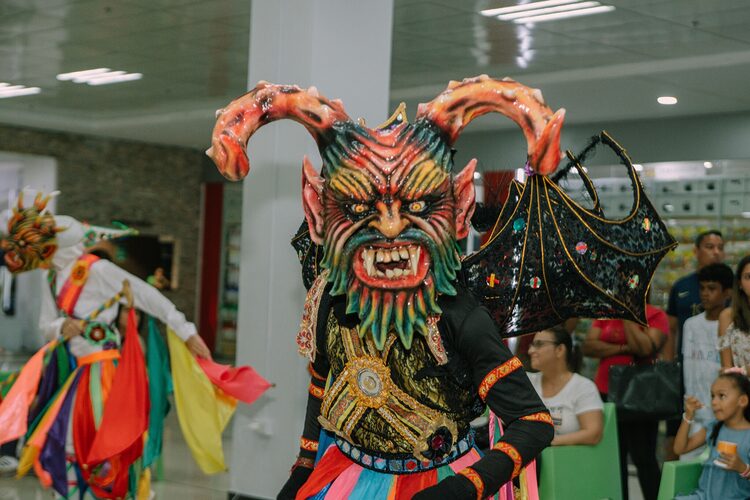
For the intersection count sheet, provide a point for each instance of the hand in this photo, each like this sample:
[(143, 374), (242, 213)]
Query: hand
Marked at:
[(71, 328), (454, 487), (196, 346), (733, 462), (692, 404)]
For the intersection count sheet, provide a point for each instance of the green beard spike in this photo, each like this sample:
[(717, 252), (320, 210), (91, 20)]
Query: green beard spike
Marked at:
[(381, 311)]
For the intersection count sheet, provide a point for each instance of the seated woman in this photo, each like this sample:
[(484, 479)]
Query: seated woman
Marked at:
[(573, 400)]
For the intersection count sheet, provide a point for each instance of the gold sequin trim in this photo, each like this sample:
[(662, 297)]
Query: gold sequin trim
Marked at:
[(497, 374), (309, 323), (512, 453), (307, 463), (435, 341), (316, 392), (542, 416), (475, 479), (308, 444)]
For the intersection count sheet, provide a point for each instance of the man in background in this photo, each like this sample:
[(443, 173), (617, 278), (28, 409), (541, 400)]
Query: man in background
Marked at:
[(684, 302)]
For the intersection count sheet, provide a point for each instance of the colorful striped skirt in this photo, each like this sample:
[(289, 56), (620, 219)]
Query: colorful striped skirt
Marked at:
[(337, 476)]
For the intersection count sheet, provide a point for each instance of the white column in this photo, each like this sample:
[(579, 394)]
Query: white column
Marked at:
[(343, 48)]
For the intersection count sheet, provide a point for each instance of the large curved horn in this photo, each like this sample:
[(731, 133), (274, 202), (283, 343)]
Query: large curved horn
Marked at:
[(263, 104), (463, 101)]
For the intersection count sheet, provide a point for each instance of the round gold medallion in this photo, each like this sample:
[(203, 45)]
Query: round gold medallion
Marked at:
[(369, 382)]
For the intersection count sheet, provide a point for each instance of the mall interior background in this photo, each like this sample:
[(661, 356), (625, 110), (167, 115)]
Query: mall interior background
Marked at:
[(133, 151)]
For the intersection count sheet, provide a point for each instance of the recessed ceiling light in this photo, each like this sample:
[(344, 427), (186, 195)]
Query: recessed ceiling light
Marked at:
[(99, 76), (477, 175), (7, 90), (708, 164), (667, 100)]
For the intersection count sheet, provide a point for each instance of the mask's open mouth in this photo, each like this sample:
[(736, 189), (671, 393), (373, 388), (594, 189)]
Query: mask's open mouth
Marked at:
[(398, 265)]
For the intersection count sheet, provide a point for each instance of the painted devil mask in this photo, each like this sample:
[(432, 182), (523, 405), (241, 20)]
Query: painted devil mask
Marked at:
[(32, 236), (385, 207)]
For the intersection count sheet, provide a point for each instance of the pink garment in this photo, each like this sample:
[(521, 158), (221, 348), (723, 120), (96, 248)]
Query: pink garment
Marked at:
[(345, 483), (242, 383)]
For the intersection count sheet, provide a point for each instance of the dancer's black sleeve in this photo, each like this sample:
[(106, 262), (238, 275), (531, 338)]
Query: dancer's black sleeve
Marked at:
[(304, 464), (502, 384)]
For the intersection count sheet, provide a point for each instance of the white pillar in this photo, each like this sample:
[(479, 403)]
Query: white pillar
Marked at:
[(343, 48)]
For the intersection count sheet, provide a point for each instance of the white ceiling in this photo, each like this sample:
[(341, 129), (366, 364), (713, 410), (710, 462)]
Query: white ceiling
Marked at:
[(193, 55)]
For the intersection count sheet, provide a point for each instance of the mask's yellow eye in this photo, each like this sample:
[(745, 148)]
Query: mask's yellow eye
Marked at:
[(359, 208), (417, 207)]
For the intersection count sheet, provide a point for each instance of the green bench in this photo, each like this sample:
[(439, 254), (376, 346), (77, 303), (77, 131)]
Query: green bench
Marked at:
[(584, 472), (679, 478)]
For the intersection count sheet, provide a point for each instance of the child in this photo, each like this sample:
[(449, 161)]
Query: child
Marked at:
[(726, 474), (700, 356)]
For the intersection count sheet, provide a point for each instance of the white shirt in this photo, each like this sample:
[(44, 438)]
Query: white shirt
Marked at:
[(104, 282), (701, 362), (578, 396)]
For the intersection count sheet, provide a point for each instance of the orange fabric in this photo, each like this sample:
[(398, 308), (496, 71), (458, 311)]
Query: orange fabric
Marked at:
[(242, 383), (119, 439), (73, 286), (14, 410), (407, 485), (84, 432), (98, 356), (108, 370), (329, 468)]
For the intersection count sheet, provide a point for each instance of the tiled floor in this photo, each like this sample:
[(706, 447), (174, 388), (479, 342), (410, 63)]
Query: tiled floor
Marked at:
[(183, 479)]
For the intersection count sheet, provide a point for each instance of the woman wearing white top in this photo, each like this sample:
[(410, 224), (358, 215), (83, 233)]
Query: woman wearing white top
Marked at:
[(573, 400)]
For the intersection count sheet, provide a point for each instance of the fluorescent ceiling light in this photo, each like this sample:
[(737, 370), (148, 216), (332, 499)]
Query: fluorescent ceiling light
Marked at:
[(708, 164), (667, 100), (99, 76), (16, 92), (524, 7), (116, 79), (548, 10), (92, 78), (81, 74), (531, 19)]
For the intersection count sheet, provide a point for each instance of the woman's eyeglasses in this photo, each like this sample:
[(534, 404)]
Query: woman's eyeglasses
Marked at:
[(538, 344)]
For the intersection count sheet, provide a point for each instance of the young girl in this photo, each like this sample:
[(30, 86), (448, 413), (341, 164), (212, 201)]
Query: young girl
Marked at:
[(726, 473), (734, 321)]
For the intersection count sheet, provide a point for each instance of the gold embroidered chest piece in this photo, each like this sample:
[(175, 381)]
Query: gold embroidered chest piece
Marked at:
[(364, 406)]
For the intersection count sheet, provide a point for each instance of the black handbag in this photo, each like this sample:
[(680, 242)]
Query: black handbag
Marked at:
[(650, 391)]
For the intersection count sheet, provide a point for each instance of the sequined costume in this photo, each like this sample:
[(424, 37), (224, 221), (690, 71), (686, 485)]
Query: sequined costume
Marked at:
[(404, 336)]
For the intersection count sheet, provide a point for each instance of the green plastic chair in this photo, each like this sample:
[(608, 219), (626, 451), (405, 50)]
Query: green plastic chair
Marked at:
[(584, 472), (679, 478)]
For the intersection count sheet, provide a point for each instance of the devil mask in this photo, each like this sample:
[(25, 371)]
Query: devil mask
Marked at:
[(32, 236), (385, 206)]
